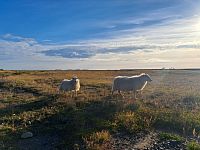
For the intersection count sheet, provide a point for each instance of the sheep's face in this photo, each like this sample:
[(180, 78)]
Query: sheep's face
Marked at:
[(147, 77), (75, 79)]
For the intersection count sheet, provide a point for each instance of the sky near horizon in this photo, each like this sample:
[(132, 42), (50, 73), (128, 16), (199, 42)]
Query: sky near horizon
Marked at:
[(94, 34)]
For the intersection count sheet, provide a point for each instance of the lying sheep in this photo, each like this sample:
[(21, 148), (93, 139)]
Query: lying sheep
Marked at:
[(70, 85), (132, 83)]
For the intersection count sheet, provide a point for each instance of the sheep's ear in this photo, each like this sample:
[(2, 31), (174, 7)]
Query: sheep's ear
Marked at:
[(74, 76)]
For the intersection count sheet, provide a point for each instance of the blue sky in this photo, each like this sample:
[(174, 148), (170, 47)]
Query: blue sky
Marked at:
[(93, 34)]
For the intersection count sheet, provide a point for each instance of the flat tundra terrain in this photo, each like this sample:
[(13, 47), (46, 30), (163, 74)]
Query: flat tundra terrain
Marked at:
[(34, 115)]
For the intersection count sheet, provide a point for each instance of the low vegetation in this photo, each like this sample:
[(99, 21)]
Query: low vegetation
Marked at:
[(29, 101), (96, 140), (170, 136), (193, 146)]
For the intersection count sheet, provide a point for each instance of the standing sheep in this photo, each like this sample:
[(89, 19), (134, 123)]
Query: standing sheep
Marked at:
[(132, 83), (70, 85)]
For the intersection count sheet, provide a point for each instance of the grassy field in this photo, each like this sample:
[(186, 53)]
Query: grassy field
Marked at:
[(29, 101)]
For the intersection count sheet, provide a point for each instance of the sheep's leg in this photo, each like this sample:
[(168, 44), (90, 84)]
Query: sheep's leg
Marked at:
[(120, 93), (58, 91), (112, 92), (75, 93), (71, 94), (140, 92), (135, 97), (65, 93)]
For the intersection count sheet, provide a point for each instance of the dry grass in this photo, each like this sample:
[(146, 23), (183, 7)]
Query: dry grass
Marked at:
[(96, 140), (29, 101)]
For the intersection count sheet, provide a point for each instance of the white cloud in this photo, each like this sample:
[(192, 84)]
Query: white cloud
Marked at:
[(172, 43)]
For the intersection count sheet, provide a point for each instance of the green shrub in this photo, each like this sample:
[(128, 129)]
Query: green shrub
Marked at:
[(170, 136), (193, 146), (128, 121)]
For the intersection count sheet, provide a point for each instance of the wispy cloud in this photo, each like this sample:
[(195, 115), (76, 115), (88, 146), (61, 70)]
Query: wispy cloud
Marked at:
[(159, 39)]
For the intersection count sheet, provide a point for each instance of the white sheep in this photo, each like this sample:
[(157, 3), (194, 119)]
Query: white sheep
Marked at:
[(70, 85), (132, 83)]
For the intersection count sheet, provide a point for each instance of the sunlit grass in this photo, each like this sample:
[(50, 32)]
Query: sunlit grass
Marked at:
[(29, 100)]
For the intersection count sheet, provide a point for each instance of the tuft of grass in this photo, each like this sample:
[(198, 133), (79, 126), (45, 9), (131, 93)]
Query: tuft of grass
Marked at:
[(170, 136), (193, 145), (96, 140), (128, 121)]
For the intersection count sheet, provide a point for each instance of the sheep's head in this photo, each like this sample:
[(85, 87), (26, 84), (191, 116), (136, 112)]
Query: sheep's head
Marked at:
[(146, 77), (75, 79)]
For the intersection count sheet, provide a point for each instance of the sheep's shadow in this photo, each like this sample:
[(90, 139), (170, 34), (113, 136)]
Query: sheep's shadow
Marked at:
[(5, 86), (42, 99), (71, 123), (31, 106)]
